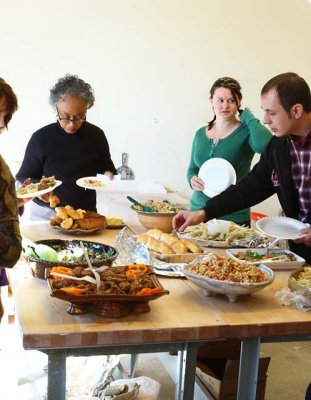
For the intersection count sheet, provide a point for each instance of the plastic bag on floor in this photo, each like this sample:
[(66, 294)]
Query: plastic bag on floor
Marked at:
[(149, 389)]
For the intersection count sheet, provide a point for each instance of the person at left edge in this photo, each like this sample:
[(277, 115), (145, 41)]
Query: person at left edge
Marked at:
[(68, 149), (10, 236)]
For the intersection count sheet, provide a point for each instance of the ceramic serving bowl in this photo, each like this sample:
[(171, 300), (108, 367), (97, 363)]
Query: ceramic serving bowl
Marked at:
[(230, 289), (70, 255), (162, 221)]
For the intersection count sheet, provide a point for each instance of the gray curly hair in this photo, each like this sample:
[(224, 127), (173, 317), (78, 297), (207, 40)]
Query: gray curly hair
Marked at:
[(72, 85)]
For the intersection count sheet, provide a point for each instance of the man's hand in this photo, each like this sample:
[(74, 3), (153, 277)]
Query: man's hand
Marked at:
[(197, 183), (187, 218), (109, 174), (306, 239)]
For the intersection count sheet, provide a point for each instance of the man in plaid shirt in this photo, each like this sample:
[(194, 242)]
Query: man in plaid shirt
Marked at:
[(284, 167)]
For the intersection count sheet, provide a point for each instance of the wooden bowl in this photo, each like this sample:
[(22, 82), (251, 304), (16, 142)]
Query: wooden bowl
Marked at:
[(162, 221)]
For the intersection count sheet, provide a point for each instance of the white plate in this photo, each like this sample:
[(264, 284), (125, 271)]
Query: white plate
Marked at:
[(217, 174), (274, 265), (281, 227), (83, 182), (39, 192)]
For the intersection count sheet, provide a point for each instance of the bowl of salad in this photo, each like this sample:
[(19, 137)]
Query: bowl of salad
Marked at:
[(160, 216), (70, 254)]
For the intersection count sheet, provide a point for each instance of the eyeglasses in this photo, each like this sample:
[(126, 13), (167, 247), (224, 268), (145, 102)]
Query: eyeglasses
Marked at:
[(75, 120), (227, 82)]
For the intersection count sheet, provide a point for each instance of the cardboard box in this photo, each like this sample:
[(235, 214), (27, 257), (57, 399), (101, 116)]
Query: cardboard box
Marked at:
[(218, 369), (220, 377)]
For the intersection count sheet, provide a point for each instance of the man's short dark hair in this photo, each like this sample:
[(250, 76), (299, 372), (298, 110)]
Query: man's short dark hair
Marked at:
[(291, 90)]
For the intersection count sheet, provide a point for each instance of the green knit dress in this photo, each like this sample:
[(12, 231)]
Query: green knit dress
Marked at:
[(238, 148)]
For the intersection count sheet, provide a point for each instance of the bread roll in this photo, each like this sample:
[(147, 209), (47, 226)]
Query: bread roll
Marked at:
[(158, 246), (75, 214), (179, 248), (155, 233), (142, 238), (55, 221), (168, 239), (193, 247), (61, 212), (67, 223), (54, 200)]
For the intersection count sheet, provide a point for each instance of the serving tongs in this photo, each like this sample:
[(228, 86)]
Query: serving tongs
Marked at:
[(144, 208)]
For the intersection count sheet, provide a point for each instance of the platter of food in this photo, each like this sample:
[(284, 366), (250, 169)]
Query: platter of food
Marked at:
[(46, 185), (281, 227), (115, 222), (168, 247), (300, 281), (277, 259), (116, 292), (77, 221), (236, 236), (69, 254), (222, 275)]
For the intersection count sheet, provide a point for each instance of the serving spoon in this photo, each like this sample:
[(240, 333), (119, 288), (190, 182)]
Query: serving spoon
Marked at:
[(144, 208)]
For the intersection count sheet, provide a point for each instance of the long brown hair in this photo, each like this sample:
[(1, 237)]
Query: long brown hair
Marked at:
[(227, 83), (7, 93)]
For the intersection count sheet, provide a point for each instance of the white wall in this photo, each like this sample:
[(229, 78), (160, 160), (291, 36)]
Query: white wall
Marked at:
[(151, 64)]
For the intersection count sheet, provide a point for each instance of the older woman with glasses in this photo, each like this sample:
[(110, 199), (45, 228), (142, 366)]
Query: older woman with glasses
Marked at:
[(10, 237), (227, 136), (68, 149)]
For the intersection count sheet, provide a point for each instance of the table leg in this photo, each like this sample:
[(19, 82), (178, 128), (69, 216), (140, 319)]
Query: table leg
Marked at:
[(133, 364), (56, 375), (248, 372), (189, 366)]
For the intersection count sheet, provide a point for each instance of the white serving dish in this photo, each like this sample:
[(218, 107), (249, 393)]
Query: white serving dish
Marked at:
[(230, 289), (275, 265)]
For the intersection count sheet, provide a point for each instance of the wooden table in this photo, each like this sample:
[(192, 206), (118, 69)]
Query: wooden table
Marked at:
[(180, 321)]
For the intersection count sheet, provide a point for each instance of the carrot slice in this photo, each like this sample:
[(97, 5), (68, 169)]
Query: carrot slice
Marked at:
[(73, 290), (149, 291)]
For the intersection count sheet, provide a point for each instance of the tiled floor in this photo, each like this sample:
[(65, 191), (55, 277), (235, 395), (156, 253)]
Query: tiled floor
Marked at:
[(23, 373)]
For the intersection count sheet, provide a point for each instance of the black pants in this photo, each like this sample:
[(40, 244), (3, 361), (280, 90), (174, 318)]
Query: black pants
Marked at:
[(308, 392)]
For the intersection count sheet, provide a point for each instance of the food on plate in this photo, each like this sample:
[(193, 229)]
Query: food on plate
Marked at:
[(93, 182), (113, 280), (67, 223), (160, 206), (69, 218), (54, 200), (165, 243), (237, 235), (45, 183), (304, 277), (226, 269), (252, 255)]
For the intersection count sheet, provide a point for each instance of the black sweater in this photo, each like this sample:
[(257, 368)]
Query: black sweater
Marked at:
[(51, 151), (272, 174)]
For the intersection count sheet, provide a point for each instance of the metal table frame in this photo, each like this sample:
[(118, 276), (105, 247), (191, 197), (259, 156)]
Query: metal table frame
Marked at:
[(186, 364)]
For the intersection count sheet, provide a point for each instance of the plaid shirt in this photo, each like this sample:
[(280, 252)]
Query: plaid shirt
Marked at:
[(300, 152)]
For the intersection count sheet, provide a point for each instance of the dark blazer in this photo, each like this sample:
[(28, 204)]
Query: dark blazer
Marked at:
[(272, 174)]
